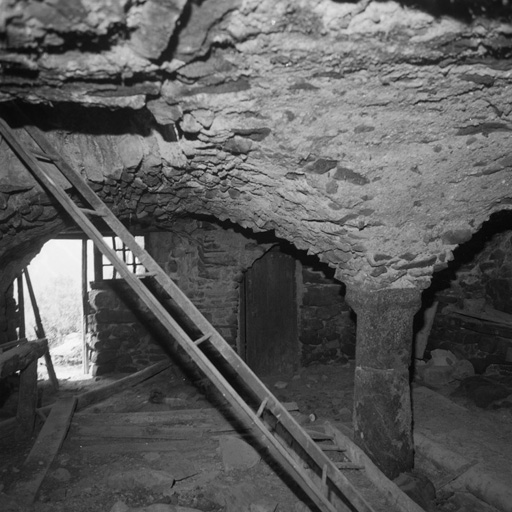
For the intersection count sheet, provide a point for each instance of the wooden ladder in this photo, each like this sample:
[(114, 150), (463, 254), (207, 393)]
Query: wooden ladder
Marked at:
[(274, 428)]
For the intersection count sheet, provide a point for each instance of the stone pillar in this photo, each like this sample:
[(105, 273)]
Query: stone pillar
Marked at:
[(382, 399)]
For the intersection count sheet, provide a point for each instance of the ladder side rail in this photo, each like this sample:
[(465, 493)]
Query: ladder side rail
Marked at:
[(275, 448), (286, 419), (180, 298), (91, 197), (263, 393), (282, 414), (117, 227), (195, 316)]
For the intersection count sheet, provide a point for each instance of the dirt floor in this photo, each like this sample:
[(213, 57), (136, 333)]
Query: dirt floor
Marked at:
[(176, 452)]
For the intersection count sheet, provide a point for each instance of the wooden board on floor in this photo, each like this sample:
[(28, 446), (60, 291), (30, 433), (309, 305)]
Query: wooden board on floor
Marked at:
[(204, 417), (173, 417), (138, 432), (99, 394), (130, 447), (21, 356), (45, 449)]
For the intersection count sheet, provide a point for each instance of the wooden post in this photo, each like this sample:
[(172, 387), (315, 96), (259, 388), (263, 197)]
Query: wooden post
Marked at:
[(21, 307), (40, 331), (27, 401), (85, 310), (98, 264)]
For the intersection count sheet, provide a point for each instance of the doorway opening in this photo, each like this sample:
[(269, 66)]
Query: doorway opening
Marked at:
[(269, 314), (55, 277)]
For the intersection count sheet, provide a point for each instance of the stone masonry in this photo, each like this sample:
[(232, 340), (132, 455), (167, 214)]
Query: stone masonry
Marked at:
[(207, 262), (485, 281), (327, 329), (119, 342)]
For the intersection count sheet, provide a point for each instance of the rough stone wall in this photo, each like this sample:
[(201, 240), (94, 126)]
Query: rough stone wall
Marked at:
[(495, 272), (484, 282), (204, 260), (207, 263), (119, 342), (482, 344), (327, 331)]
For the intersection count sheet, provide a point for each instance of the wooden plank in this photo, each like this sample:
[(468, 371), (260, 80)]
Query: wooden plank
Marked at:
[(21, 306), (27, 401), (40, 331), (209, 418), (109, 447), (391, 491), (11, 344), (20, 357), (45, 449), (138, 432), (96, 395), (179, 416), (85, 310)]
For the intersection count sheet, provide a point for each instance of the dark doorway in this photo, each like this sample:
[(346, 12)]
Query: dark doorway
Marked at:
[(269, 340)]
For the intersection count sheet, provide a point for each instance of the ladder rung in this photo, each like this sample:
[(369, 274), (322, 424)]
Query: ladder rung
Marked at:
[(146, 274), (88, 211), (262, 407), (317, 435), (202, 338), (42, 156), (331, 448), (348, 465)]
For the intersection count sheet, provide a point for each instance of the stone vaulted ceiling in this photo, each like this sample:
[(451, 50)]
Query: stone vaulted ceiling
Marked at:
[(373, 134)]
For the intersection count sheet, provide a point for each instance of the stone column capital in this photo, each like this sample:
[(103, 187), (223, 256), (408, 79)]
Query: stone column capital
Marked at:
[(364, 299)]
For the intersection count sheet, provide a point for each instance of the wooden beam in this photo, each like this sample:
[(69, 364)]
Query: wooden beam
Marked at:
[(11, 344), (98, 264), (40, 331), (96, 395), (85, 310), (106, 431), (18, 358), (109, 447), (202, 417), (27, 401), (21, 307)]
